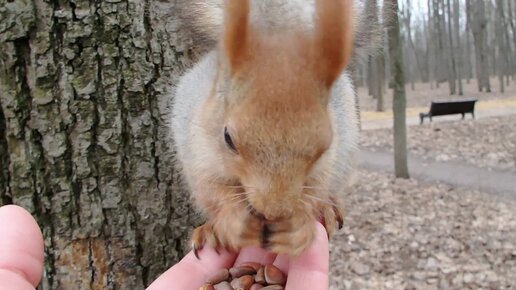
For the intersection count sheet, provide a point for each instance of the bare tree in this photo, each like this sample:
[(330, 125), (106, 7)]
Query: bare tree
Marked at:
[(510, 25), (375, 62), (430, 45), (500, 44), (439, 42), (459, 54), (477, 19), (454, 41), (468, 62), (399, 100), (452, 67), (408, 24)]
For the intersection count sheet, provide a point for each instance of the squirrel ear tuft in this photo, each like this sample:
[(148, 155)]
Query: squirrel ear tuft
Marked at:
[(333, 37), (236, 32)]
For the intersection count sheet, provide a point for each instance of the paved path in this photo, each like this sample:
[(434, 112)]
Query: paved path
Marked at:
[(502, 183)]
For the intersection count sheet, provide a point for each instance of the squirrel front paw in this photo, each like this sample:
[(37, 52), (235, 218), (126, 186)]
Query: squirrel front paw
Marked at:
[(332, 215), (291, 236), (229, 232), (204, 235)]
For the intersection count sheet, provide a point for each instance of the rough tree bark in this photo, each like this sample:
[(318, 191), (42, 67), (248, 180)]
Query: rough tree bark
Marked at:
[(399, 99), (84, 144)]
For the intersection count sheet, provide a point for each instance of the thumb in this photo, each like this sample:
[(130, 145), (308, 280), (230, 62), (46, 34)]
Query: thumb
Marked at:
[(310, 269), (21, 249)]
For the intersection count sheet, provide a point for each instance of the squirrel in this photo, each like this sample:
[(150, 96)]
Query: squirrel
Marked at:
[(265, 124)]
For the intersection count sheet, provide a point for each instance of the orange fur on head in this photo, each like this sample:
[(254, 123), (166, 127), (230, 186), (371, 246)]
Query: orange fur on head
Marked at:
[(277, 101), (236, 31), (333, 37)]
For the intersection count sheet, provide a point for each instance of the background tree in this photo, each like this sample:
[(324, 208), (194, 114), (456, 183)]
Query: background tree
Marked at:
[(458, 54), (407, 19), (84, 139), (399, 101), (451, 41), (452, 65), (477, 20)]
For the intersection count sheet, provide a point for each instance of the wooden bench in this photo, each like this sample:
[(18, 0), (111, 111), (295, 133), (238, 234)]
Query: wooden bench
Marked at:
[(449, 108)]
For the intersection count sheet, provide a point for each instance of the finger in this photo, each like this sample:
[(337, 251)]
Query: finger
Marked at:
[(192, 273), (256, 255), (21, 249), (310, 269), (11, 280), (282, 262)]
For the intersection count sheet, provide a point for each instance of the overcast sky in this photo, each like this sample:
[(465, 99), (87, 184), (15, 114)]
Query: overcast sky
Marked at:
[(418, 6)]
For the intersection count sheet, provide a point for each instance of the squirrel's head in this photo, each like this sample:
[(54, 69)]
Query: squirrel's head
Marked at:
[(277, 124)]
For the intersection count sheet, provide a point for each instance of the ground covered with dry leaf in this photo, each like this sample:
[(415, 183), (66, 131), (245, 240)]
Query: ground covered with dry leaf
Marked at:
[(402, 234), (486, 143)]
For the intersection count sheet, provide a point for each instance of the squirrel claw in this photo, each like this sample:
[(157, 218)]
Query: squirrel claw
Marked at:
[(332, 217), (200, 237), (196, 253), (340, 222), (323, 222)]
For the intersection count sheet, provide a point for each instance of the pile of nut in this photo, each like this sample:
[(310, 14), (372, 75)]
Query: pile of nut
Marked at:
[(247, 276)]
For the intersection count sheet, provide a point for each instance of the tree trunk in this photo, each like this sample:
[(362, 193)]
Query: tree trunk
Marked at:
[(458, 56), (469, 61), (430, 47), (438, 40), (451, 72), (506, 41), (379, 81), (478, 23), (399, 100), (511, 25), (501, 50), (84, 144), (452, 69), (370, 76), (408, 24), (376, 65)]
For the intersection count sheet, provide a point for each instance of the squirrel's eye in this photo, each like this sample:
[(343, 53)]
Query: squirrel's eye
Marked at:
[(229, 141)]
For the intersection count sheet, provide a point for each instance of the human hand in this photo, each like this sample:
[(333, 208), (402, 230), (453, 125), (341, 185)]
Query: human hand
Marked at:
[(21, 249), (21, 259), (308, 271)]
